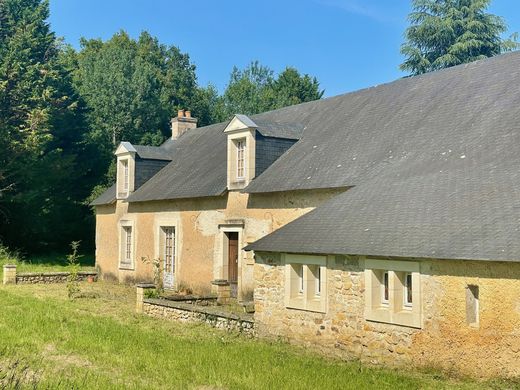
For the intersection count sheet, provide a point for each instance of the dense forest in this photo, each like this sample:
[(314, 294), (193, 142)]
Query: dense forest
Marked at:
[(63, 111)]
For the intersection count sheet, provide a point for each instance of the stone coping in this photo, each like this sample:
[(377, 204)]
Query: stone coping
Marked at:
[(145, 285), (212, 310), (182, 298), (9, 265), (29, 274)]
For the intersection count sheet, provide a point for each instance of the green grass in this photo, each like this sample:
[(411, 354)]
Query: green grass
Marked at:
[(54, 262), (100, 342)]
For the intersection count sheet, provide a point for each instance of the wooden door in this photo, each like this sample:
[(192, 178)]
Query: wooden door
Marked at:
[(233, 262)]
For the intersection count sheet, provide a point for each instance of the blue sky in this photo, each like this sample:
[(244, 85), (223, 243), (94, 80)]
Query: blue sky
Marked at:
[(346, 44)]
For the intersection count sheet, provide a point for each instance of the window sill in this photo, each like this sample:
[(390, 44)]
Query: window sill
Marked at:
[(405, 317), (126, 267), (311, 305)]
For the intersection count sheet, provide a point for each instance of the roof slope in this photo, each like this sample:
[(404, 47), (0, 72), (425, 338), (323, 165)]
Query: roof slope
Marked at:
[(435, 163), (152, 152), (107, 197), (198, 167), (350, 135)]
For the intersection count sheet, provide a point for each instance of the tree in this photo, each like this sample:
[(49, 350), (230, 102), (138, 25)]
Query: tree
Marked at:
[(256, 89), (131, 89), (292, 88), (445, 33), (40, 130)]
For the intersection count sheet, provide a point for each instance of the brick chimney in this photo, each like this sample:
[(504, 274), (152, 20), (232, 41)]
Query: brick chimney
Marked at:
[(182, 123)]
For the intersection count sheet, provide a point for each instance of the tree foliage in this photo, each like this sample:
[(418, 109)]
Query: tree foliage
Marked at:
[(40, 131), (445, 33), (255, 89)]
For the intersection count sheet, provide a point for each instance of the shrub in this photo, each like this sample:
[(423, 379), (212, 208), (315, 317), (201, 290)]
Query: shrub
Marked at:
[(73, 262)]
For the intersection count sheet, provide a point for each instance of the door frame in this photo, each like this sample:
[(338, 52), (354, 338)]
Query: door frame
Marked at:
[(223, 255)]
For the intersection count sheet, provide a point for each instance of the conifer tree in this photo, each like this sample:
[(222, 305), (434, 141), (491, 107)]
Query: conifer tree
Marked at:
[(445, 33)]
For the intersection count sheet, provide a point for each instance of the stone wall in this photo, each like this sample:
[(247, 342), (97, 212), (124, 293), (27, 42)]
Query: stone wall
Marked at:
[(51, 277), (189, 313), (445, 341)]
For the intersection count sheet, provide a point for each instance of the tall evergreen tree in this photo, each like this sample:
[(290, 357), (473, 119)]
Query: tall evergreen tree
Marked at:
[(40, 131), (445, 33)]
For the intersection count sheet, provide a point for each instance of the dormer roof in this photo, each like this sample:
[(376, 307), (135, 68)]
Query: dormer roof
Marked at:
[(266, 127), (144, 151)]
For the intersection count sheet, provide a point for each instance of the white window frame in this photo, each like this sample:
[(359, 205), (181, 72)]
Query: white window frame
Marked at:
[(397, 310), (241, 147), (299, 273), (126, 263)]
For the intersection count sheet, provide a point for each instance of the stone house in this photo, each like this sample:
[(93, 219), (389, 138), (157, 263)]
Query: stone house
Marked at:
[(382, 224)]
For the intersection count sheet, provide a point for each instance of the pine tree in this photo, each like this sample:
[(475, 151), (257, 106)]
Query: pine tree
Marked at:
[(445, 33), (40, 130)]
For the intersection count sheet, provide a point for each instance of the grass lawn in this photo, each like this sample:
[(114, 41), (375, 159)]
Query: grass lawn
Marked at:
[(43, 263), (99, 342)]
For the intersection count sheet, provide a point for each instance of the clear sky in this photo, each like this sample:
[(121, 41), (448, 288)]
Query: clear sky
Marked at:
[(346, 44)]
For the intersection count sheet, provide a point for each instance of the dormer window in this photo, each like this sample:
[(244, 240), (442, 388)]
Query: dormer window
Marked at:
[(241, 159), (240, 152), (126, 161)]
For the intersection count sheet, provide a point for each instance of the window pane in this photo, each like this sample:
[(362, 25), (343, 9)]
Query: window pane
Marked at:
[(385, 288), (408, 289), (128, 244), (241, 146), (169, 249), (125, 172)]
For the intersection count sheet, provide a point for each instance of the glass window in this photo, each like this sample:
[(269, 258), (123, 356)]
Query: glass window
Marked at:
[(128, 244), (241, 150), (125, 175), (169, 249), (385, 288), (408, 296)]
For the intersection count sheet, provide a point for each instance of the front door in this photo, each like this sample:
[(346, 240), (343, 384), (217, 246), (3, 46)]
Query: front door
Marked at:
[(233, 262), (169, 257)]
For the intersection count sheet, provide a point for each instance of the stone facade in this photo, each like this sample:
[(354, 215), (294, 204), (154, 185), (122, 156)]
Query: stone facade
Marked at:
[(445, 340), (200, 226), (189, 313)]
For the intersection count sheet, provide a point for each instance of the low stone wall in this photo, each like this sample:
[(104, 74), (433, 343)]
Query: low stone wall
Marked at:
[(52, 277), (211, 315)]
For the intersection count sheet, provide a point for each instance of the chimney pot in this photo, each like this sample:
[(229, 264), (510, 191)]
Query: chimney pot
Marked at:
[(182, 123)]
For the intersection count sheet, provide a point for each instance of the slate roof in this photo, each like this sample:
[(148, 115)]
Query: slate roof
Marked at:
[(153, 152), (434, 161), (198, 167), (107, 197)]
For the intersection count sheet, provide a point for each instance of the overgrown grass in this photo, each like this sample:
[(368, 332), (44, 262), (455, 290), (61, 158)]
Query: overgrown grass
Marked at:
[(41, 263), (102, 343)]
